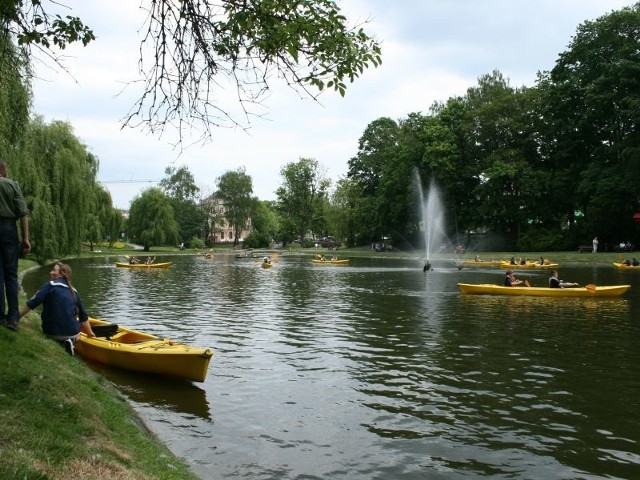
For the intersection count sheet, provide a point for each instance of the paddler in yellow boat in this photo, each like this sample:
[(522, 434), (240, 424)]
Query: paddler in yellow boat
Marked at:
[(555, 282), (510, 279)]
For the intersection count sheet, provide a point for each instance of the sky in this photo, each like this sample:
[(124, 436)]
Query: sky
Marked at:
[(432, 50)]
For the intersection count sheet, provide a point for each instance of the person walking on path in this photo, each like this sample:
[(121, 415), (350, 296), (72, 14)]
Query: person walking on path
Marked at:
[(12, 208)]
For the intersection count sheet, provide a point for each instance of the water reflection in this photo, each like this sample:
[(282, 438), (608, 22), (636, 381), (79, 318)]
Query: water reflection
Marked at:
[(165, 394)]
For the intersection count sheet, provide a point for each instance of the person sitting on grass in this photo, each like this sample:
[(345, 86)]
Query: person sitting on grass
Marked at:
[(63, 313)]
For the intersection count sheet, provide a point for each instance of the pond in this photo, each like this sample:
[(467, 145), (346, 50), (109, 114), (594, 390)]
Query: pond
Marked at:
[(378, 370)]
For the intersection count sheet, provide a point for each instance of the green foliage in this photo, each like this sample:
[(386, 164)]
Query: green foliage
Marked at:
[(544, 240), (15, 97), (306, 44), (32, 24), (265, 220), (152, 220), (590, 100), (235, 190), (58, 178), (301, 196), (196, 242), (179, 185), (257, 240)]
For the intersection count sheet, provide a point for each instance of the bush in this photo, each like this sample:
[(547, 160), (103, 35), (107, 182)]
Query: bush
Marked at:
[(196, 243), (543, 240), (256, 240)]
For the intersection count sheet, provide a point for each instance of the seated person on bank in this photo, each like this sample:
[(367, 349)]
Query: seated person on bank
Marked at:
[(510, 279), (555, 282)]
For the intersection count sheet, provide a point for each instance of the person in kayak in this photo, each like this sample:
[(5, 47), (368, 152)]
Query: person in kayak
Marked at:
[(510, 279), (63, 313), (555, 282)]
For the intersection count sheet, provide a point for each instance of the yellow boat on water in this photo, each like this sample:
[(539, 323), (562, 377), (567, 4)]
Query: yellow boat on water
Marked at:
[(143, 265), (142, 352), (624, 266), (318, 261), (529, 265), (586, 291), (481, 263)]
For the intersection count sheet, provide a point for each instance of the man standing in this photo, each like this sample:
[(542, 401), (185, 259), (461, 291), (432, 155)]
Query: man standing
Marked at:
[(595, 245), (12, 207)]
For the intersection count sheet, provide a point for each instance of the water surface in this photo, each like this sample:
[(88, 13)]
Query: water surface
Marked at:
[(380, 371)]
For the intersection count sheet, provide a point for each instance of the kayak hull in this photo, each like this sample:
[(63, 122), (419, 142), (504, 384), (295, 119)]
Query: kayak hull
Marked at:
[(529, 266), (330, 262), (142, 265), (146, 353), (588, 291)]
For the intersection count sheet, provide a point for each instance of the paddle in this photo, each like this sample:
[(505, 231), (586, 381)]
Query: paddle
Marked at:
[(591, 287), (526, 282)]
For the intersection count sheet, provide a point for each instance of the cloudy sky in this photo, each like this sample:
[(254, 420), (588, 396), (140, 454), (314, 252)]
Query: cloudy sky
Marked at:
[(432, 50)]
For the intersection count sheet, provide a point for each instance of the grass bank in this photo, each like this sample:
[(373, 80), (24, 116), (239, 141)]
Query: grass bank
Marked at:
[(60, 420)]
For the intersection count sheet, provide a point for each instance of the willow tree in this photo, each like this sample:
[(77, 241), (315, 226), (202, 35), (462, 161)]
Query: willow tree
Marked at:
[(58, 177), (14, 99), (152, 220), (191, 48)]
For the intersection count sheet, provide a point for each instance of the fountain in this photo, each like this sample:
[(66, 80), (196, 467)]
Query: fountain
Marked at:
[(432, 220)]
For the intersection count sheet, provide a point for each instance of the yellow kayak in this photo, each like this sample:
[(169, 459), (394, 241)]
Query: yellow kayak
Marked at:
[(624, 266), (330, 262), (529, 265), (481, 263), (142, 352), (143, 265), (586, 291)]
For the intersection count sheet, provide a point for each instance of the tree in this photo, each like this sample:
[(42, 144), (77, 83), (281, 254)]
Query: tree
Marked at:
[(179, 185), (501, 140), (15, 98), (300, 196), (235, 189), (195, 46), (348, 207), (265, 224), (377, 153), (591, 100), (58, 177), (152, 220)]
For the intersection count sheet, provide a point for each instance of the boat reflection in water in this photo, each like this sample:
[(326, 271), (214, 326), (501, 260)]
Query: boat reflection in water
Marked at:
[(163, 393)]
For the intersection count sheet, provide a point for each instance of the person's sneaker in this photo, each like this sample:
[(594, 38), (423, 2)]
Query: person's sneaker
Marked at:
[(11, 324), (68, 346)]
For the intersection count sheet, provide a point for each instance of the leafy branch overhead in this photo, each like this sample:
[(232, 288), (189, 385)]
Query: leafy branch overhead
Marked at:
[(30, 24), (193, 51)]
